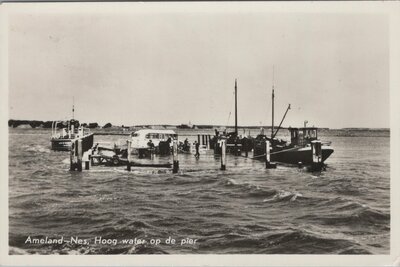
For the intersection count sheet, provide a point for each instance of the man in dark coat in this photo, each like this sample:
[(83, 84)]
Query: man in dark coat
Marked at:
[(197, 145)]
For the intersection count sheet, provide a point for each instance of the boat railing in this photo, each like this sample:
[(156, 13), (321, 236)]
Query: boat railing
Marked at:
[(69, 132)]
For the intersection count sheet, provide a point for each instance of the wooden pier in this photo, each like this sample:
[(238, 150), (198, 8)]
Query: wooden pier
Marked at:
[(120, 155)]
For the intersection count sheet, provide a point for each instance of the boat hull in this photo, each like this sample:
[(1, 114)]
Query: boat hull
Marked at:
[(64, 144), (61, 144), (303, 155)]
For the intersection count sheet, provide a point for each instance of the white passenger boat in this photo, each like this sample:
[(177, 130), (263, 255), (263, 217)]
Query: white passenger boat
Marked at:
[(61, 138), (161, 140)]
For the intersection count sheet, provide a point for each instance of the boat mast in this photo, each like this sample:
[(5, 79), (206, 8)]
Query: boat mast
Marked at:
[(73, 107), (273, 96), (236, 129)]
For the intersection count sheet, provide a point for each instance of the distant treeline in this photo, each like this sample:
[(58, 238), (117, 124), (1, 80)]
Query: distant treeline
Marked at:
[(92, 125), (48, 124)]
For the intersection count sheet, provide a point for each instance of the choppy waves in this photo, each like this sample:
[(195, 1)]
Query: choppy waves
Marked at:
[(246, 209)]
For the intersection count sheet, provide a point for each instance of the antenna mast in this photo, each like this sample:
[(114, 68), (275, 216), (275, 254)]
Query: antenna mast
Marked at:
[(236, 129), (273, 96)]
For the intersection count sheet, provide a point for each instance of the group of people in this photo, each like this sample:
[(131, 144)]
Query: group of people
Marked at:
[(185, 147)]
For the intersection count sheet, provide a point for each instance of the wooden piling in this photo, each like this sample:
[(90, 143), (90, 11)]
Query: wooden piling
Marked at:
[(72, 131), (79, 155), (175, 167), (267, 151), (90, 157), (236, 148), (87, 165), (76, 155), (245, 147), (316, 148), (128, 155), (86, 158), (316, 151), (268, 163), (223, 154), (72, 156)]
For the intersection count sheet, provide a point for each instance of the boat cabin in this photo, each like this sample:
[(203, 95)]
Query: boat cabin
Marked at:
[(63, 133), (303, 136), (140, 138), (67, 130)]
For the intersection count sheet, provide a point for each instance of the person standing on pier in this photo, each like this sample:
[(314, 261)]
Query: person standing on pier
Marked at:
[(150, 144), (186, 145), (197, 145)]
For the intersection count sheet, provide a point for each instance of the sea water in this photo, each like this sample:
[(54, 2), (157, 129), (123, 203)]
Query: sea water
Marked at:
[(244, 210)]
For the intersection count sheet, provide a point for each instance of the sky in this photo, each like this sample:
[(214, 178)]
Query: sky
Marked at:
[(173, 68)]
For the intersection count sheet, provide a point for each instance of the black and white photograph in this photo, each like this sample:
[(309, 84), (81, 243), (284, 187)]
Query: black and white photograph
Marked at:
[(200, 128)]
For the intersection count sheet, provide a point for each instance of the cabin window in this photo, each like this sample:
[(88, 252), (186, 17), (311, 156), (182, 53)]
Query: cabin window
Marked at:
[(152, 136), (314, 134)]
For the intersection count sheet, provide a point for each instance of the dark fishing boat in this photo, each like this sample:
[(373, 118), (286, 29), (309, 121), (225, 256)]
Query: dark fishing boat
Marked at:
[(304, 147)]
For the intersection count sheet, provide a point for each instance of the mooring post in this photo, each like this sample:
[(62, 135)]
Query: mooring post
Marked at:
[(236, 148), (175, 160), (268, 163), (72, 131), (86, 158), (316, 148), (72, 156), (90, 157), (267, 151), (223, 154), (128, 155), (79, 155)]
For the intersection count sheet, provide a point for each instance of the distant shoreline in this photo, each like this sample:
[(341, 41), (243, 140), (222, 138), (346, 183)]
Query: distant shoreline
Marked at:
[(26, 124)]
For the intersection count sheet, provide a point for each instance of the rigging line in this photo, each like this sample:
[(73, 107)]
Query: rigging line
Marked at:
[(280, 124), (229, 117), (230, 111)]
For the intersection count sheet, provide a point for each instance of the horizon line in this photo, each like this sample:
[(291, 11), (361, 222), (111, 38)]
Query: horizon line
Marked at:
[(208, 125)]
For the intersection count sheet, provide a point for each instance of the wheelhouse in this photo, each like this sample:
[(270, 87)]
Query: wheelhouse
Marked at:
[(303, 136)]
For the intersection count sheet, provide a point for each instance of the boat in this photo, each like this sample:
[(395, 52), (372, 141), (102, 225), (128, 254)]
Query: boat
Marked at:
[(61, 138), (304, 147), (298, 151), (147, 141)]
